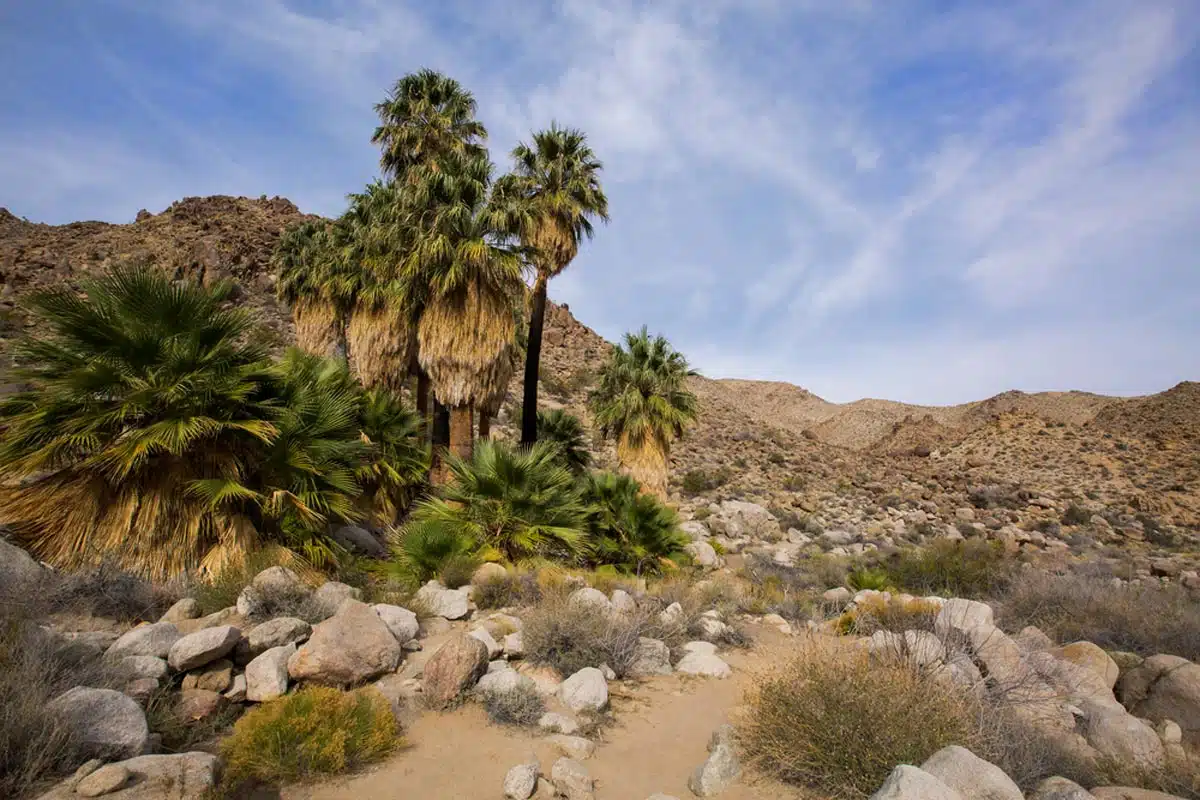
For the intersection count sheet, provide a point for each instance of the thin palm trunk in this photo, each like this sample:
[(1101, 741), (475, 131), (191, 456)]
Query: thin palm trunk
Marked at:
[(533, 355), (462, 420), (423, 395), (441, 440), (342, 347), (485, 425)]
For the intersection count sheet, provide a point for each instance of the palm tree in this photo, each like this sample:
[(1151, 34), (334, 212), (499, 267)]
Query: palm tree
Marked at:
[(312, 279), (564, 431), (467, 328), (426, 117), (551, 196), (643, 402), (394, 473), (516, 503), (629, 529)]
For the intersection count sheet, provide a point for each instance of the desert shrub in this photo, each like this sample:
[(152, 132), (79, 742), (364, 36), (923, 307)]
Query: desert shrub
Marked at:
[(877, 614), (107, 590), (570, 636), (699, 481), (457, 570), (701, 514), (317, 730), (632, 531), (522, 706), (973, 568), (511, 589), (1076, 515), (1145, 619), (834, 721), (869, 578)]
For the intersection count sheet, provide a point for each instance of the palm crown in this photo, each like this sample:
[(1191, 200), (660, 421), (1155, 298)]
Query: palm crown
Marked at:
[(425, 117)]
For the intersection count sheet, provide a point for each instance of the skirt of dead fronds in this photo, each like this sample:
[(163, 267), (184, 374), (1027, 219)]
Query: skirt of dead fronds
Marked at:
[(316, 328), (381, 347), (648, 464), (158, 531), (463, 344)]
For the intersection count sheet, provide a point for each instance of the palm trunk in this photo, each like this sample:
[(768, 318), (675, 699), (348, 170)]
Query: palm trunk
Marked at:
[(462, 420), (485, 425), (423, 395), (342, 346), (441, 439), (533, 357)]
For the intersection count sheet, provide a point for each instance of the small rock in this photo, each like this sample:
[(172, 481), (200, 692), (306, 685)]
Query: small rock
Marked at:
[(703, 554), (652, 657), (514, 645), (586, 690), (838, 596), (198, 704), (140, 689), (237, 691), (494, 648), (701, 659), (720, 769), (136, 667), (1060, 789), (558, 723), (590, 598), (575, 747), (487, 573), (503, 682), (277, 633), (778, 623), (623, 602), (572, 781), (187, 608), (331, 594), (279, 581), (521, 780), (145, 640), (671, 615), (202, 647), (215, 677), (267, 674), (443, 602), (104, 780)]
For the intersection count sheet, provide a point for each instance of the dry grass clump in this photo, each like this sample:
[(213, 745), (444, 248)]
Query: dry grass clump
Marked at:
[(570, 636), (972, 568), (1145, 619), (877, 613), (315, 731), (511, 589), (106, 590), (834, 721), (521, 707)]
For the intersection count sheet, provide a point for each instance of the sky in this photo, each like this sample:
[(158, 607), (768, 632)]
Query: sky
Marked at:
[(922, 200)]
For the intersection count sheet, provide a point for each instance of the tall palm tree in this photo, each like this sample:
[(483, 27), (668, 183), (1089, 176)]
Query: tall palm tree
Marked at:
[(467, 327), (643, 402), (426, 117), (552, 195), (315, 281)]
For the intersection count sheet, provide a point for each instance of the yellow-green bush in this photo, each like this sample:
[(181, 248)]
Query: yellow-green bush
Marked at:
[(971, 568), (317, 730), (875, 613)]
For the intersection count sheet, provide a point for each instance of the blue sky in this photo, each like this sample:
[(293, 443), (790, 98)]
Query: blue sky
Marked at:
[(922, 200)]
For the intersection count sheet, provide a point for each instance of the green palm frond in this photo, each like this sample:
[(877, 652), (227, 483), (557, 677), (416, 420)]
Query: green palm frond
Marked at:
[(630, 529), (566, 432)]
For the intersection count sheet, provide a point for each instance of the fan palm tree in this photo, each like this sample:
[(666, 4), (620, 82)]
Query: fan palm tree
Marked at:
[(426, 117), (629, 529), (314, 279), (467, 328), (565, 432), (552, 196), (394, 473), (518, 503), (643, 402)]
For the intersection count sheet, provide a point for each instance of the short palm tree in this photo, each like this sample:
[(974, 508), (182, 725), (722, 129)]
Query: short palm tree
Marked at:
[(394, 473), (629, 529), (314, 279), (516, 503), (551, 197), (565, 431), (642, 402)]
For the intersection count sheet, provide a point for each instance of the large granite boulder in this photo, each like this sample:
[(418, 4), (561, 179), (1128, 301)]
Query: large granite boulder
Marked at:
[(351, 647)]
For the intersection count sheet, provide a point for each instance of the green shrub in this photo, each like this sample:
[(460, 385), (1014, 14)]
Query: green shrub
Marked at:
[(699, 481), (315, 731), (566, 432), (833, 721), (972, 568), (457, 570), (521, 707), (869, 578), (422, 550), (630, 530), (1076, 515)]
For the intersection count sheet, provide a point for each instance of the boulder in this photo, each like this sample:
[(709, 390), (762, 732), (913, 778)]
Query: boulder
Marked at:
[(1123, 737), (623, 602), (400, 621), (105, 780), (910, 783), (652, 657), (1091, 657), (553, 722), (971, 776), (277, 633), (487, 573), (443, 602), (134, 668), (202, 647), (838, 596), (1164, 687), (186, 776), (18, 570), (1032, 638), (1130, 793), (140, 690), (572, 780), (514, 645), (586, 690), (672, 615), (503, 681), (271, 582), (1057, 788), (739, 519), (237, 690), (454, 668), (494, 648), (704, 554), (967, 618), (145, 640), (352, 646), (720, 769), (700, 658), (695, 530), (267, 674), (106, 724), (329, 596), (590, 598), (187, 608), (521, 781), (357, 539)]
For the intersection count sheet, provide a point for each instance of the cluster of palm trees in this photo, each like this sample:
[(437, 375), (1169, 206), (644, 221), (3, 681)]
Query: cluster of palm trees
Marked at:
[(422, 278)]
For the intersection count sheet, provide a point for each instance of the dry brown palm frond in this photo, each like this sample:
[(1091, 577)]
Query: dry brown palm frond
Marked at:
[(555, 245), (648, 464), (316, 327), (382, 343), (463, 343)]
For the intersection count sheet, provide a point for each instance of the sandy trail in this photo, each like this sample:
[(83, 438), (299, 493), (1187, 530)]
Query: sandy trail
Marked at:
[(659, 737)]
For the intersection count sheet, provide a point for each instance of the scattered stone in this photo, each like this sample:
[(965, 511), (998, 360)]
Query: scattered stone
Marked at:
[(277, 633), (453, 669), (703, 554), (104, 780), (590, 598), (720, 769), (1057, 788), (910, 783), (187, 608), (623, 602), (202, 647), (106, 724), (329, 596), (652, 657), (400, 621), (575, 747), (198, 704), (267, 674), (237, 691), (352, 646), (514, 645), (586, 690), (700, 658), (185, 776), (443, 602), (145, 640), (215, 677), (521, 780), (494, 648), (672, 615), (558, 723), (572, 781), (971, 776)]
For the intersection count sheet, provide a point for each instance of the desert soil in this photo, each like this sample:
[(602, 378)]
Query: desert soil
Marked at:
[(659, 736)]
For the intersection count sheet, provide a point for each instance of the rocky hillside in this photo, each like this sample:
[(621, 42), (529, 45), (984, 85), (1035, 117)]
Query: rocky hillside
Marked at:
[(1131, 464)]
